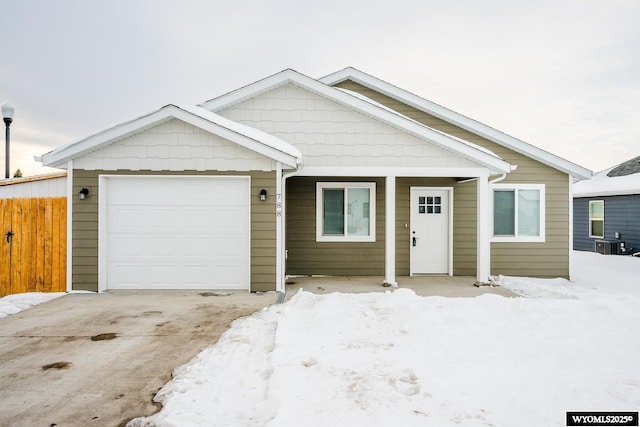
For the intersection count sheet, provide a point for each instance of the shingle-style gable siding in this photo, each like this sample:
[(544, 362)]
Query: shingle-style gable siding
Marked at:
[(621, 214), (548, 259), (330, 134), (174, 146)]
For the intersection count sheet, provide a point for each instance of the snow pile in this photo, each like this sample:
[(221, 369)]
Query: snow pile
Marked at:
[(593, 275), (396, 358), (12, 304)]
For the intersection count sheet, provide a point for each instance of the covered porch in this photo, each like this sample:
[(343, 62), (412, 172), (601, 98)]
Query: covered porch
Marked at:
[(444, 286)]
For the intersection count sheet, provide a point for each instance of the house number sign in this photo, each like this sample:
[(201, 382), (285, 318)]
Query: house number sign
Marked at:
[(278, 205)]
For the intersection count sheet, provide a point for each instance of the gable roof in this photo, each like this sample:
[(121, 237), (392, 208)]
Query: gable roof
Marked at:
[(463, 148), (245, 136), (626, 168), (457, 119), (619, 180)]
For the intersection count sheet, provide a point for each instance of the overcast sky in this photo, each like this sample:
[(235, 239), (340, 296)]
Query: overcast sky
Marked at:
[(561, 75)]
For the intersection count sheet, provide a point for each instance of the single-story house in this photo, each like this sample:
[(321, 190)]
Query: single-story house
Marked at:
[(607, 210), (290, 175)]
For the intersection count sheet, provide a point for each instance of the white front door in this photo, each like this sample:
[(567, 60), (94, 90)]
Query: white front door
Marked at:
[(430, 230)]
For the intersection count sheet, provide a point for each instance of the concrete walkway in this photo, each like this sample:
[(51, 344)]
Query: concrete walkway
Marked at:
[(446, 286), (98, 359)]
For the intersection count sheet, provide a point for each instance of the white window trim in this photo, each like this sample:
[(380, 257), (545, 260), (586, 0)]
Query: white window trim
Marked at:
[(372, 211), (523, 239), (592, 219)]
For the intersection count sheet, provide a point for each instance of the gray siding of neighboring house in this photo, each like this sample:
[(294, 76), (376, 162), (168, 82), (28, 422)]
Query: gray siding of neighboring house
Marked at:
[(545, 259), (621, 214), (85, 226)]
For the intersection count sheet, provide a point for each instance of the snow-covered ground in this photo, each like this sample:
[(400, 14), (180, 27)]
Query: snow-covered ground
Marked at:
[(12, 304), (395, 358)]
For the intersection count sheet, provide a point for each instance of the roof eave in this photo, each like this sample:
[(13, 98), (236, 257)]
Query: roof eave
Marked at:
[(59, 157), (457, 119), (290, 76)]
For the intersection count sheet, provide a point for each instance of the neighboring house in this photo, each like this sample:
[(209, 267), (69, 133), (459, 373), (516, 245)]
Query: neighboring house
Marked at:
[(607, 210), (344, 175)]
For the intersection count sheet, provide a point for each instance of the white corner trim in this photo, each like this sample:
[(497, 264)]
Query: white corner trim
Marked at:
[(102, 232), (70, 196), (570, 226), (279, 231)]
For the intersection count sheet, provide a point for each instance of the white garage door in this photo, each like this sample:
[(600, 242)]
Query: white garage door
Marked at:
[(178, 232)]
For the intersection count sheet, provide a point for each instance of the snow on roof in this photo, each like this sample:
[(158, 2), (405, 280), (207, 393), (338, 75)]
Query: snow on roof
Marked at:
[(603, 185)]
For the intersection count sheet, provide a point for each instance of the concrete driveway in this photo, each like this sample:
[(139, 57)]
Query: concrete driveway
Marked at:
[(98, 359)]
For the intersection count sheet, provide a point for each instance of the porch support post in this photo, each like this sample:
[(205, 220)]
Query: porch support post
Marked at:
[(280, 254), (390, 232), (483, 268)]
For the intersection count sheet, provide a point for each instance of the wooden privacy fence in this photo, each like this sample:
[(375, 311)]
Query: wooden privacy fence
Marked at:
[(33, 249)]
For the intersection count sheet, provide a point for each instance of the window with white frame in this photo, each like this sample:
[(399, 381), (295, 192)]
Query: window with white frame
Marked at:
[(518, 213), (596, 218), (345, 211)]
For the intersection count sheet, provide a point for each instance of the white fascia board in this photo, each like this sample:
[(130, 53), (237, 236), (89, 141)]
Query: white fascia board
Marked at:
[(457, 119), (61, 155), (244, 136), (392, 118), (402, 172), (250, 90)]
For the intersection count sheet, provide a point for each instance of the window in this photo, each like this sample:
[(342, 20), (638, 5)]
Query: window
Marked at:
[(518, 213), (345, 212), (596, 218)]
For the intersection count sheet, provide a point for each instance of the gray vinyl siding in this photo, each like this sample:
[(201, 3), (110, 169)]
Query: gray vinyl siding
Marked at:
[(545, 259), (85, 227), (306, 256), (621, 214)]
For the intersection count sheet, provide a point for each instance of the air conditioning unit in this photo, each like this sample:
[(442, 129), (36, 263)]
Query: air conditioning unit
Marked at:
[(608, 247)]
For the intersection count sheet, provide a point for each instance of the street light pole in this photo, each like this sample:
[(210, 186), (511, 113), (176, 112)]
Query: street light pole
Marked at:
[(7, 115)]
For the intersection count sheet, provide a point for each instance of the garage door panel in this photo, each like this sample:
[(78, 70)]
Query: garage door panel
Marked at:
[(124, 218), (224, 220), (178, 233), (161, 275), (194, 248)]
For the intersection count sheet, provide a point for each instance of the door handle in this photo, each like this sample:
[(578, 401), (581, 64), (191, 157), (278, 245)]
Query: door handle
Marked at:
[(415, 240)]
